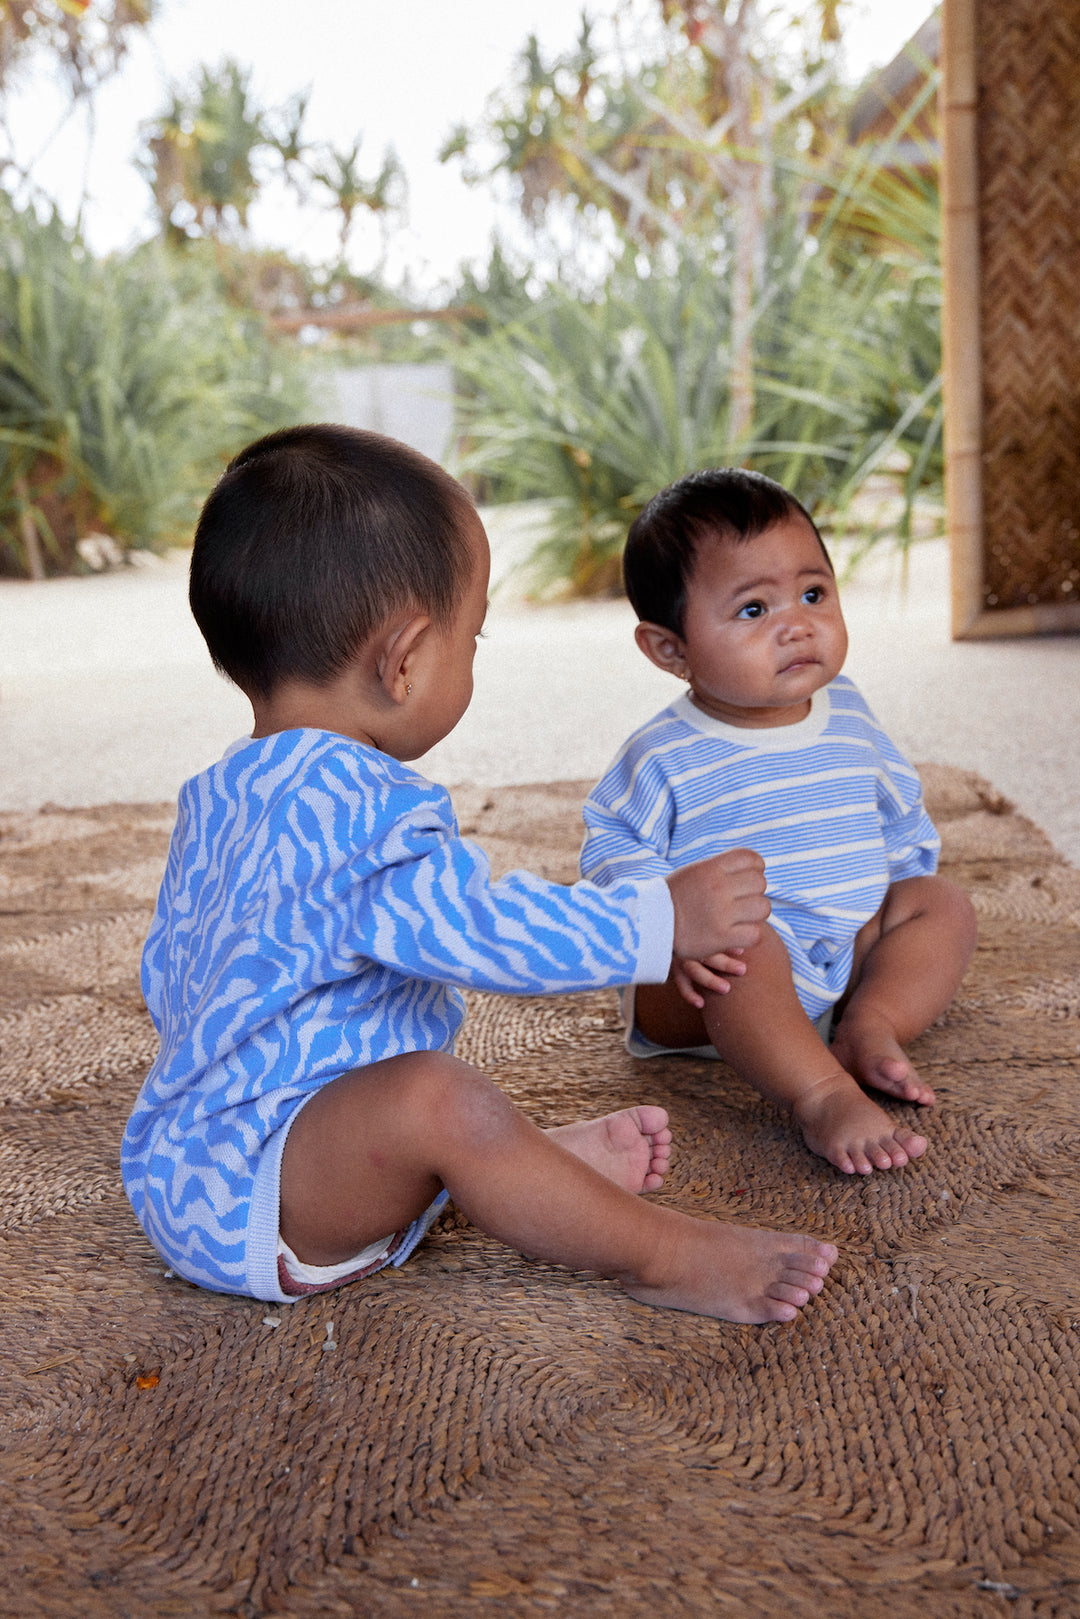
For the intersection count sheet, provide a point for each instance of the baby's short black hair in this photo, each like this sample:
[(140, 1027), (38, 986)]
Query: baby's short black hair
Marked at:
[(726, 503), (311, 540)]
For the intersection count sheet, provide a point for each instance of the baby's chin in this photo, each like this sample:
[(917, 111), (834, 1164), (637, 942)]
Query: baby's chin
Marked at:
[(806, 674)]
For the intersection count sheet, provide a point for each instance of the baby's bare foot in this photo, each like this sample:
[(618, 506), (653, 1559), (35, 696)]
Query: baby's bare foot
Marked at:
[(841, 1123), (739, 1273), (865, 1044), (632, 1148)]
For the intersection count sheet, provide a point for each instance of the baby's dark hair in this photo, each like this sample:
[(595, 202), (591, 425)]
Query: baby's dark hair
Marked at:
[(311, 540), (725, 503)]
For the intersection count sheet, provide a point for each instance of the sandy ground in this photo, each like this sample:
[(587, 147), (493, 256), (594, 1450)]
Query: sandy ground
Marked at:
[(107, 694)]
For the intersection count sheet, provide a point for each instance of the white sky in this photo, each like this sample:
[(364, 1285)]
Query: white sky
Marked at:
[(396, 72)]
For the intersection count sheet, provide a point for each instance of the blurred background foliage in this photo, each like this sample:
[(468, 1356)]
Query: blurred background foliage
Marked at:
[(123, 384), (87, 50), (719, 273), (771, 293)]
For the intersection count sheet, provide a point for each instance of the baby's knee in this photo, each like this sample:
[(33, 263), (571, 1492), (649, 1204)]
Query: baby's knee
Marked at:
[(956, 904), (452, 1095), (430, 1080), (937, 898), (768, 973)]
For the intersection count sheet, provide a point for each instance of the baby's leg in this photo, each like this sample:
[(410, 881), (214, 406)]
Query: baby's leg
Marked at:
[(369, 1152), (760, 1028), (909, 961)]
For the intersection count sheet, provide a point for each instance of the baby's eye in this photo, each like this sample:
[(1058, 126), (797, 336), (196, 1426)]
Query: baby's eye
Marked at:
[(751, 610), (815, 594)]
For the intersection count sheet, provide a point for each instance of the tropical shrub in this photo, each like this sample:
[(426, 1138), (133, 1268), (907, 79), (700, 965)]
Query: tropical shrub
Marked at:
[(124, 386), (594, 403), (777, 303)]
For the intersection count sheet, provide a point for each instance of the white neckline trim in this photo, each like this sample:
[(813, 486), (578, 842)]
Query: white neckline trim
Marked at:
[(763, 739), (250, 741)]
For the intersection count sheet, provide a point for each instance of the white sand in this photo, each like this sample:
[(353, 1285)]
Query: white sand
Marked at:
[(107, 694)]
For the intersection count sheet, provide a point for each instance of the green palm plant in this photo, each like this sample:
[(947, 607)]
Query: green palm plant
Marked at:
[(200, 153), (854, 334), (123, 386), (88, 49), (595, 403), (337, 171)]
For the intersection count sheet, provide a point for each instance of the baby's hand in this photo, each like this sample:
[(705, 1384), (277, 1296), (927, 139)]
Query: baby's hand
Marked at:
[(690, 977), (719, 907)]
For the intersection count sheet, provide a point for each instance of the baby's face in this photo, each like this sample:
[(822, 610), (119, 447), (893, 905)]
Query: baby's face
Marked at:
[(447, 666), (763, 628)]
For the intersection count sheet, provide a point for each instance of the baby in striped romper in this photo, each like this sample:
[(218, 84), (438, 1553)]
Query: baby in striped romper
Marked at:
[(773, 749), (305, 1118)]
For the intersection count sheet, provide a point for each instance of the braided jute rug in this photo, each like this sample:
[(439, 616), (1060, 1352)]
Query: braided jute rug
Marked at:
[(480, 1434)]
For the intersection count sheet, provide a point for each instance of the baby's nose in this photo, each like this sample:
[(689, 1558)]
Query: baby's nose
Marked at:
[(795, 622)]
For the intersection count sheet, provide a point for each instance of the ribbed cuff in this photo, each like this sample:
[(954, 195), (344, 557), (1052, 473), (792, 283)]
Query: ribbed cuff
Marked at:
[(264, 1217), (656, 930)]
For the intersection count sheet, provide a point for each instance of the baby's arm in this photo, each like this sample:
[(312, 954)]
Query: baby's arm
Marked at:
[(628, 821), (436, 913), (912, 844), (439, 915)]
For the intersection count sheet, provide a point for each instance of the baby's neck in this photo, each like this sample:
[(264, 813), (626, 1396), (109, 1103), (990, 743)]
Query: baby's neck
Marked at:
[(753, 719)]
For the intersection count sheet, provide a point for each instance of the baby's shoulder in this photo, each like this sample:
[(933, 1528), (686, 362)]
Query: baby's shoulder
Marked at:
[(355, 768), (307, 784), (843, 690), (654, 755), (847, 704), (675, 724), (854, 724)]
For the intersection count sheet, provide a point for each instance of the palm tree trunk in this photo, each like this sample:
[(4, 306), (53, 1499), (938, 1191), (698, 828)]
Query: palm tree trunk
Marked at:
[(743, 82), (35, 562), (743, 286)]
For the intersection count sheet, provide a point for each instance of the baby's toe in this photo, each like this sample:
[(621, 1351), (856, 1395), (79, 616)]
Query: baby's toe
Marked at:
[(914, 1145), (789, 1293), (777, 1311), (652, 1121), (896, 1077), (891, 1153)]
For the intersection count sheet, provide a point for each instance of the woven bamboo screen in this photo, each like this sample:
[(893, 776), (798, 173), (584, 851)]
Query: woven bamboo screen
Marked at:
[(1011, 183)]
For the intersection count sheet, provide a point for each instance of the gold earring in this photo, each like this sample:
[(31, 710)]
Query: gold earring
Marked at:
[(408, 690)]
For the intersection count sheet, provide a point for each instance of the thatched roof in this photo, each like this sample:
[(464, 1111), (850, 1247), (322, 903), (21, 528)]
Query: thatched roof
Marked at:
[(892, 88)]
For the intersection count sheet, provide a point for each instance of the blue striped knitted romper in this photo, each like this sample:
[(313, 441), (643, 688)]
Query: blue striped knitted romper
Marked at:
[(831, 805), (317, 910)]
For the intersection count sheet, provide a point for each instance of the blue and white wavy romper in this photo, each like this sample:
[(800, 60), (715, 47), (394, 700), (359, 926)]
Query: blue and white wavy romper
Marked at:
[(317, 908), (830, 804)]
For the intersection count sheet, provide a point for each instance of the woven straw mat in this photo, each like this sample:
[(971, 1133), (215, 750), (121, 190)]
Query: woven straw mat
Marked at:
[(1029, 242), (478, 1433)]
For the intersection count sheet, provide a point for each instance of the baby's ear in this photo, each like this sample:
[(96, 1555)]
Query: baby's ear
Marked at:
[(396, 655), (664, 648)]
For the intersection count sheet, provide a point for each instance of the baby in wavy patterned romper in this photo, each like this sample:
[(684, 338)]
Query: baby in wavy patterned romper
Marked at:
[(305, 1118), (772, 748)]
